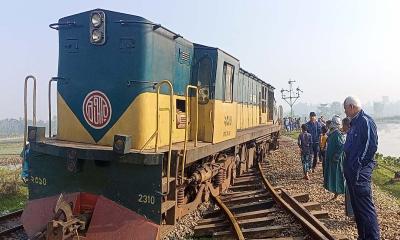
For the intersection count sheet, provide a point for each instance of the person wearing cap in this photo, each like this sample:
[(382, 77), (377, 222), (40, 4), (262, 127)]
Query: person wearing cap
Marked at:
[(333, 174), (360, 147), (314, 128)]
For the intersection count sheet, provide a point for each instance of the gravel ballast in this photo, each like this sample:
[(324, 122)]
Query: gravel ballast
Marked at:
[(286, 170)]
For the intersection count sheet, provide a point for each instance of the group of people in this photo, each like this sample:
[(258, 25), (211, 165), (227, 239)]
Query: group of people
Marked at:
[(291, 124), (346, 149)]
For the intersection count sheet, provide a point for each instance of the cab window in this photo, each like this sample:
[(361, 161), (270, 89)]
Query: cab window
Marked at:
[(228, 82)]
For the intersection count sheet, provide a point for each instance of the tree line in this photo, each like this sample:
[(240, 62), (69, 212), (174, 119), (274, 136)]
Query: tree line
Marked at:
[(11, 127)]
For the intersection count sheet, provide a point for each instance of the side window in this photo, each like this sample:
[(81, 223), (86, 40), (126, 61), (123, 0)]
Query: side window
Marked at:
[(263, 99), (270, 103), (228, 82)]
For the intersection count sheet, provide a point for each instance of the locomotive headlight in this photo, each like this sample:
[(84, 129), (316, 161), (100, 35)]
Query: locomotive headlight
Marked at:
[(97, 36), (97, 27), (96, 19)]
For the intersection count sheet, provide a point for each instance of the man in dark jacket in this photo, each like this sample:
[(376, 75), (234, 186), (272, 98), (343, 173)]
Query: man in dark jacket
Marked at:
[(360, 147), (314, 128)]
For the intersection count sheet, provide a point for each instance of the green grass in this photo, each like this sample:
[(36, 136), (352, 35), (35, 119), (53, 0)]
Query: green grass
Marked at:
[(14, 201), (292, 134), (13, 192), (11, 147), (384, 174)]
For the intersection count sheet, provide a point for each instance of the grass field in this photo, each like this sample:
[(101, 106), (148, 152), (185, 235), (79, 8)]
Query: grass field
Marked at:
[(10, 146), (15, 201), (292, 134), (13, 192), (383, 175)]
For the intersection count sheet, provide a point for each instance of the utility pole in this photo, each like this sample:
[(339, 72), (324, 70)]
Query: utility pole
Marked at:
[(290, 96)]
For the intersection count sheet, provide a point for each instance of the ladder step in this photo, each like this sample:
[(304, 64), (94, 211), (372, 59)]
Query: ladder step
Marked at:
[(164, 182), (167, 205)]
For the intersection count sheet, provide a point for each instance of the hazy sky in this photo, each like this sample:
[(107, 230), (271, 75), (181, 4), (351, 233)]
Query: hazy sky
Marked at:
[(332, 48)]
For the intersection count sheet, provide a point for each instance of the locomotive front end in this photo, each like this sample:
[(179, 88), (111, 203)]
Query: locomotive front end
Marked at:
[(87, 180)]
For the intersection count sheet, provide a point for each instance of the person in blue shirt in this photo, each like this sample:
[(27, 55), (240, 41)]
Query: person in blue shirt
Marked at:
[(25, 163), (314, 128), (360, 147), (304, 143)]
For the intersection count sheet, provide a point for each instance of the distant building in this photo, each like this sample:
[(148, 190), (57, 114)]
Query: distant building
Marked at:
[(378, 109), (385, 99)]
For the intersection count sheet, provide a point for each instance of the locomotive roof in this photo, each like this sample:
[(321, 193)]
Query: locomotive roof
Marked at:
[(251, 75), (214, 48), (139, 19)]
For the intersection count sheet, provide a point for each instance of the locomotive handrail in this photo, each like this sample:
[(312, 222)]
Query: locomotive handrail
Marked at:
[(56, 26), (26, 104), (188, 87), (155, 26), (53, 79), (171, 118)]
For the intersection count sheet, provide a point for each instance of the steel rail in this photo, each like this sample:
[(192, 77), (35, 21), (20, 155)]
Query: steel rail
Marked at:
[(10, 230), (232, 219), (315, 228), (5, 217), (11, 214)]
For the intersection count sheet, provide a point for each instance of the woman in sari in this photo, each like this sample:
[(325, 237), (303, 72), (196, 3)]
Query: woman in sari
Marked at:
[(333, 177)]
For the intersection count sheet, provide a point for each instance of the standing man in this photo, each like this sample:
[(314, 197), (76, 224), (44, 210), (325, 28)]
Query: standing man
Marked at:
[(314, 128), (286, 123), (360, 147)]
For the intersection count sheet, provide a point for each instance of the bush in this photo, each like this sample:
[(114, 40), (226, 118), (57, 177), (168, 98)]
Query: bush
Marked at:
[(9, 181)]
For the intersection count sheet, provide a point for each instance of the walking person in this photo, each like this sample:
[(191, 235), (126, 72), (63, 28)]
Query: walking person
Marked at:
[(286, 123), (298, 123), (304, 141), (333, 173), (360, 147), (322, 143), (314, 128)]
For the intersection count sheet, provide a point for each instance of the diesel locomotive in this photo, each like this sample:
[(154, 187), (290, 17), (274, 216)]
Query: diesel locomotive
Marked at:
[(149, 125)]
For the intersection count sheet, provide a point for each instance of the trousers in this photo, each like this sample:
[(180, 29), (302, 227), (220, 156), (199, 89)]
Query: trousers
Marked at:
[(306, 162), (362, 203), (315, 149)]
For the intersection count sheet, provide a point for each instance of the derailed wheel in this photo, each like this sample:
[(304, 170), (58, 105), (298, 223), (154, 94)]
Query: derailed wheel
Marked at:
[(103, 217), (64, 225)]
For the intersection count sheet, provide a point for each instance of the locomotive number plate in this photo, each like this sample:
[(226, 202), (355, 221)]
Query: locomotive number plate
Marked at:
[(39, 180), (148, 199)]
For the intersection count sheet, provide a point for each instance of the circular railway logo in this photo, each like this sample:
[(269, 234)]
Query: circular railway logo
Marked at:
[(97, 109)]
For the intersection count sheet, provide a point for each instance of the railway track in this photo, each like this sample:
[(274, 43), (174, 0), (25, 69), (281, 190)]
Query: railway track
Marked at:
[(10, 224), (253, 209)]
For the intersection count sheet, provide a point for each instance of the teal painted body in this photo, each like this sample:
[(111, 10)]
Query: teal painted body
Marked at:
[(133, 181)]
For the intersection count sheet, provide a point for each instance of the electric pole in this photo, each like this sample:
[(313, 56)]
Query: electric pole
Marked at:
[(290, 96)]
